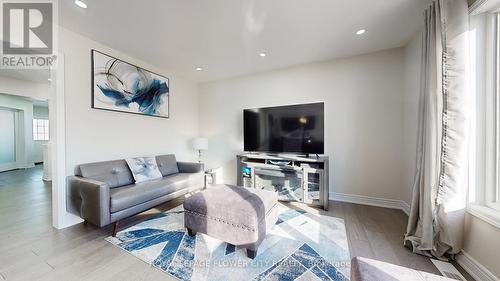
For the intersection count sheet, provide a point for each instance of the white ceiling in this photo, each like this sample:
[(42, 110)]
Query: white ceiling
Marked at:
[(225, 37), (32, 75)]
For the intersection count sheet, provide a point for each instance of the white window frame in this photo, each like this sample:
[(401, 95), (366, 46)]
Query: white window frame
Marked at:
[(44, 124), (485, 147), (491, 194)]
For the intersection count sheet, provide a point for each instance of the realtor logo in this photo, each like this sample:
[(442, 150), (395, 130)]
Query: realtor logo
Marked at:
[(27, 34)]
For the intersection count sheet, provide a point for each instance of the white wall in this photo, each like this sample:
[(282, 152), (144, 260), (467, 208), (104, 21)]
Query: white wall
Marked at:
[(97, 135), (481, 242), (412, 61), (363, 98), (40, 111)]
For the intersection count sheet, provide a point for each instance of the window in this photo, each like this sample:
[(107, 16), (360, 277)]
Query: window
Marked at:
[(40, 129), (489, 190), (484, 173), (484, 160), (492, 193)]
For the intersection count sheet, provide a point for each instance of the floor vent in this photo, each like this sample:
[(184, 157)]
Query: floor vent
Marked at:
[(448, 270)]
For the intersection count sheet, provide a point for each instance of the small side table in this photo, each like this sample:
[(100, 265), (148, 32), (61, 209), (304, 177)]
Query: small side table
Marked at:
[(210, 177)]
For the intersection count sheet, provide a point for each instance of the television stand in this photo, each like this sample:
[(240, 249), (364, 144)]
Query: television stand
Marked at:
[(295, 178)]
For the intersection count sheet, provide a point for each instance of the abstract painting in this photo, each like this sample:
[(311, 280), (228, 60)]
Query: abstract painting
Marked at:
[(121, 86)]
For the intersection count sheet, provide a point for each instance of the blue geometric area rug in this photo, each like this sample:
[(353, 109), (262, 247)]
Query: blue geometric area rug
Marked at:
[(301, 246)]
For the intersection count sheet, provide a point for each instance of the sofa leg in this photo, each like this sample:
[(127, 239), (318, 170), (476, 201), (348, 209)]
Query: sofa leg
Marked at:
[(191, 232), (251, 254), (115, 228)]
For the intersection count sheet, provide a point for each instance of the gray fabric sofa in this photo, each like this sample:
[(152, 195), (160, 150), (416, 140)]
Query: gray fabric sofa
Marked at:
[(105, 192)]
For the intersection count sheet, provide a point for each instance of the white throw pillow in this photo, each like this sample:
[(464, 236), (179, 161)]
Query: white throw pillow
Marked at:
[(144, 168)]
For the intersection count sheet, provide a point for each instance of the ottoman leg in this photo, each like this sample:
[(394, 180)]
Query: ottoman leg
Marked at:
[(251, 254), (191, 232)]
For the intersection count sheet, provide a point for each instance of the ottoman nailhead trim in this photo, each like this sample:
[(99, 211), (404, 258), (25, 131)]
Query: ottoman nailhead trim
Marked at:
[(244, 227)]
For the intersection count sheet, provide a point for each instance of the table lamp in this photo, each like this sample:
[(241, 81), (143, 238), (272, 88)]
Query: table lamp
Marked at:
[(200, 144)]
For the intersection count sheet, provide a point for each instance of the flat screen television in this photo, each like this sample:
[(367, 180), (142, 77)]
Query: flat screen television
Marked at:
[(285, 129)]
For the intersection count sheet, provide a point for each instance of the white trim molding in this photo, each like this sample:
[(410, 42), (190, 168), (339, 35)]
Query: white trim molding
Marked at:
[(371, 201), (482, 6), (485, 213), (474, 268), (57, 116)]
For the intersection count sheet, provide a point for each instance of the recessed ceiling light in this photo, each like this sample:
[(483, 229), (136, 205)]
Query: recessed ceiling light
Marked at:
[(262, 54), (361, 31), (49, 79), (199, 69), (81, 4)]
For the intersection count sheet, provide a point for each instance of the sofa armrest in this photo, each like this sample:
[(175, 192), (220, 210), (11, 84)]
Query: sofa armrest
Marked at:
[(190, 167), (89, 199)]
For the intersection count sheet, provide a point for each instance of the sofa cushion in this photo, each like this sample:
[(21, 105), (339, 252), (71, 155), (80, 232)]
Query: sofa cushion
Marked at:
[(128, 196), (114, 173), (167, 164), (144, 169)]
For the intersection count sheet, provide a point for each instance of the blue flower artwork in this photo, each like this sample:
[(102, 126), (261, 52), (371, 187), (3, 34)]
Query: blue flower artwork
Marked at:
[(121, 86)]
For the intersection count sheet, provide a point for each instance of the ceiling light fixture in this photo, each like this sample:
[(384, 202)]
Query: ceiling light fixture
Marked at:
[(199, 69), (81, 4), (49, 79), (361, 31), (262, 54)]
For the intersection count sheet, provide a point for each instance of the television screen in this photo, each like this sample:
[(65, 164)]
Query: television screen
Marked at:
[(285, 129)]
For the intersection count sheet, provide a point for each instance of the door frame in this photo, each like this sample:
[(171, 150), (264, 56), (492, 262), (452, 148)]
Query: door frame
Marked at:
[(57, 147)]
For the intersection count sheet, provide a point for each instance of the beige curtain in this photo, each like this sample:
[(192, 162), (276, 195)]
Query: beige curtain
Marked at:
[(435, 225)]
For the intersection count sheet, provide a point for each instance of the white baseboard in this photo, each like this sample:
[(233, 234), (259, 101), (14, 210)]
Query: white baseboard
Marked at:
[(27, 166), (15, 166), (371, 201), (405, 207), (474, 268), (8, 167)]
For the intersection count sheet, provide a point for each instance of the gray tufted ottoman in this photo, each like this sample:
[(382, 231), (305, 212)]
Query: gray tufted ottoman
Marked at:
[(237, 215)]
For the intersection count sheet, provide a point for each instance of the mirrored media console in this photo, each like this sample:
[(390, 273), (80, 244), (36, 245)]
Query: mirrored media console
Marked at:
[(296, 179)]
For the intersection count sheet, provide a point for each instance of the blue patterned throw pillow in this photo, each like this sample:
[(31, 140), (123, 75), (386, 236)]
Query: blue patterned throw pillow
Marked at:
[(144, 168)]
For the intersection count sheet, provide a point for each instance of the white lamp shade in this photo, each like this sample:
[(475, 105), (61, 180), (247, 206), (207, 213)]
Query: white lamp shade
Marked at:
[(200, 143)]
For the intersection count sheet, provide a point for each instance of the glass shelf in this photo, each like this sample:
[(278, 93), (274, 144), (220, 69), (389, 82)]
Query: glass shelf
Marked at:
[(288, 184)]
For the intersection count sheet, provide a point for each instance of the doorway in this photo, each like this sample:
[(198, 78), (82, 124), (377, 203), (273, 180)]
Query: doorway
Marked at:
[(24, 133), (24, 136)]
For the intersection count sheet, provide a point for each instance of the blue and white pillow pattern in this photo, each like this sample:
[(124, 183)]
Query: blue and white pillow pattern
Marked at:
[(144, 168)]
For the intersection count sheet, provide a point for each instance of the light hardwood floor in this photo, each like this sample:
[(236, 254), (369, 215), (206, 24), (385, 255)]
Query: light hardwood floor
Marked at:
[(30, 249)]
